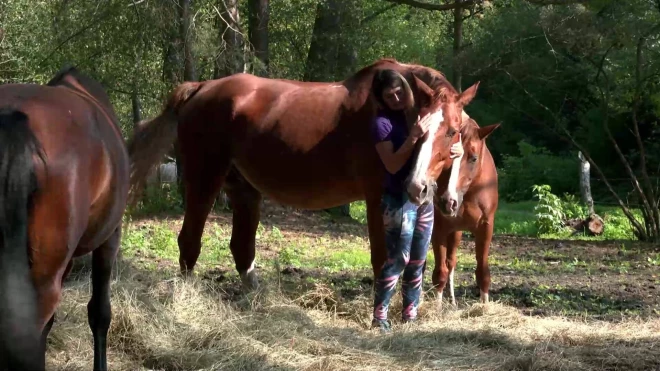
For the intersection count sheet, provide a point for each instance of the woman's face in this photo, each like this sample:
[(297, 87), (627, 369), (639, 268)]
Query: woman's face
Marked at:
[(394, 97)]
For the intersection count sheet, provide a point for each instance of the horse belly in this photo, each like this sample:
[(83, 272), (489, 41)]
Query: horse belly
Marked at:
[(300, 181)]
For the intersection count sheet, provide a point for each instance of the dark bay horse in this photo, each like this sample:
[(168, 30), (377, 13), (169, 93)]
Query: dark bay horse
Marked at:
[(303, 144), (468, 201), (65, 180)]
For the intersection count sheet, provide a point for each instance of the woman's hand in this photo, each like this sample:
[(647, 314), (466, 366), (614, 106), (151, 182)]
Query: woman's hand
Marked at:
[(421, 127), (456, 149)]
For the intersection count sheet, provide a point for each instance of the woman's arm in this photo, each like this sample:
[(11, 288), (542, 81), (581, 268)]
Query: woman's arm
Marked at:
[(394, 161)]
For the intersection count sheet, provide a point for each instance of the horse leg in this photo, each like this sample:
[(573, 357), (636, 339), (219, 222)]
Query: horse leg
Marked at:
[(203, 179), (99, 312), (440, 271), (246, 205), (49, 325), (483, 237), (376, 235), (453, 240)]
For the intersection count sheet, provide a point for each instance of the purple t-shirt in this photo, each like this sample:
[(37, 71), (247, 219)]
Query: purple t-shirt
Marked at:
[(391, 126)]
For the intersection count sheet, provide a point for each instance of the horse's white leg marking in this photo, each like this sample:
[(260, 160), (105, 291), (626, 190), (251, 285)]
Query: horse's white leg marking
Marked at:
[(483, 297), (439, 300), (249, 277), (418, 174), (451, 287)]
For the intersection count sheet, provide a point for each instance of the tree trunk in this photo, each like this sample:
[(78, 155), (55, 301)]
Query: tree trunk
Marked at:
[(231, 59), (189, 74), (136, 105), (185, 33), (457, 75), (322, 55), (329, 56), (585, 183), (592, 225), (258, 16)]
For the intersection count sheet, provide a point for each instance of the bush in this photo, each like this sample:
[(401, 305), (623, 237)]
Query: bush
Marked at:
[(549, 211), (552, 211), (536, 165)]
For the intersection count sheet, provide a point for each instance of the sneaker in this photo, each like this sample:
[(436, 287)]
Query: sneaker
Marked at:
[(382, 324)]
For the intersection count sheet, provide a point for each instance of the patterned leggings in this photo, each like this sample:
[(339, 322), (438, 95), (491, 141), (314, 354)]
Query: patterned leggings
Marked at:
[(408, 229)]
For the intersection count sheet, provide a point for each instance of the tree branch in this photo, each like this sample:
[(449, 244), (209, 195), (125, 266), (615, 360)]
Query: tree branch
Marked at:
[(642, 153), (641, 233), (556, 2), (605, 99), (431, 6), (377, 13)]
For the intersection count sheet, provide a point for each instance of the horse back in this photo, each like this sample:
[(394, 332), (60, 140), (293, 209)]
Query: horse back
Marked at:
[(302, 115)]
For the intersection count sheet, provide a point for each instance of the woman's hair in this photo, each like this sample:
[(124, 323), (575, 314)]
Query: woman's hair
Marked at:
[(384, 79)]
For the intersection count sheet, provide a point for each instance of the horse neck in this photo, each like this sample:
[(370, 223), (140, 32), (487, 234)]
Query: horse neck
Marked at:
[(487, 172)]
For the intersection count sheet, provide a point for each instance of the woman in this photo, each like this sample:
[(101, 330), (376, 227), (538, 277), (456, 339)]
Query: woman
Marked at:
[(408, 227)]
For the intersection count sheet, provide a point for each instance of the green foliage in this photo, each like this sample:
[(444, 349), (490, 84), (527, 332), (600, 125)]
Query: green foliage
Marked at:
[(538, 68), (290, 255), (536, 165), (573, 207), (164, 198), (549, 211)]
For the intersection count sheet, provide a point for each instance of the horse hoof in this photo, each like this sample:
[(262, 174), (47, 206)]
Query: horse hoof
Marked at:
[(483, 298), (438, 302), (250, 281)]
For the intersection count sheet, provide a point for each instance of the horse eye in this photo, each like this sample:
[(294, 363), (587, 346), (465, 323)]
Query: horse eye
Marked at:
[(473, 159), (451, 133)]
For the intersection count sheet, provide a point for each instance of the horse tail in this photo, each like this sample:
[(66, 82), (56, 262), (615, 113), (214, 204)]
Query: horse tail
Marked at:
[(153, 138), (20, 344)]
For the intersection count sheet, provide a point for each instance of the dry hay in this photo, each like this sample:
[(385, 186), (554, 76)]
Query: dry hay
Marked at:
[(184, 324)]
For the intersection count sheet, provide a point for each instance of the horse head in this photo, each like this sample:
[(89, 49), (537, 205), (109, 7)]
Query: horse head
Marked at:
[(457, 174), (435, 97)]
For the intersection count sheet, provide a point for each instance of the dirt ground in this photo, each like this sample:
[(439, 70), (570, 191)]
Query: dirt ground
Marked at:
[(596, 279)]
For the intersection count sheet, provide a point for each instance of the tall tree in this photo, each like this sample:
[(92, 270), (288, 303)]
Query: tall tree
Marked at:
[(258, 18)]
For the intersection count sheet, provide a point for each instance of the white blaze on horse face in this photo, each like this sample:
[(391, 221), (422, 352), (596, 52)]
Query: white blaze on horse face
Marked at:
[(418, 178), (452, 187)]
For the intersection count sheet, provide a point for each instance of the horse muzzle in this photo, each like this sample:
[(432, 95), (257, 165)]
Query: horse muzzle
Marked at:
[(449, 204), (421, 192)]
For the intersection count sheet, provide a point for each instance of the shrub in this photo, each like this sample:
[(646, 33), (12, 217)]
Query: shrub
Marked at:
[(536, 165)]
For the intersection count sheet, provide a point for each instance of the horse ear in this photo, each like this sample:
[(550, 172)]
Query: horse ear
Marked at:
[(467, 95), (425, 92), (485, 131)]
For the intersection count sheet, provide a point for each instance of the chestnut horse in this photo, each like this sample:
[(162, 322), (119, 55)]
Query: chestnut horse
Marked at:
[(303, 144), (468, 201), (65, 171)]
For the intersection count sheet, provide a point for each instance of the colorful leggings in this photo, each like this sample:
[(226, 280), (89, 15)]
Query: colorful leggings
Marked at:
[(408, 229)]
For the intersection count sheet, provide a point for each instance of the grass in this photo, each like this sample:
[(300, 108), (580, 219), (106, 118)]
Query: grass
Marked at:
[(518, 219), (557, 304)]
